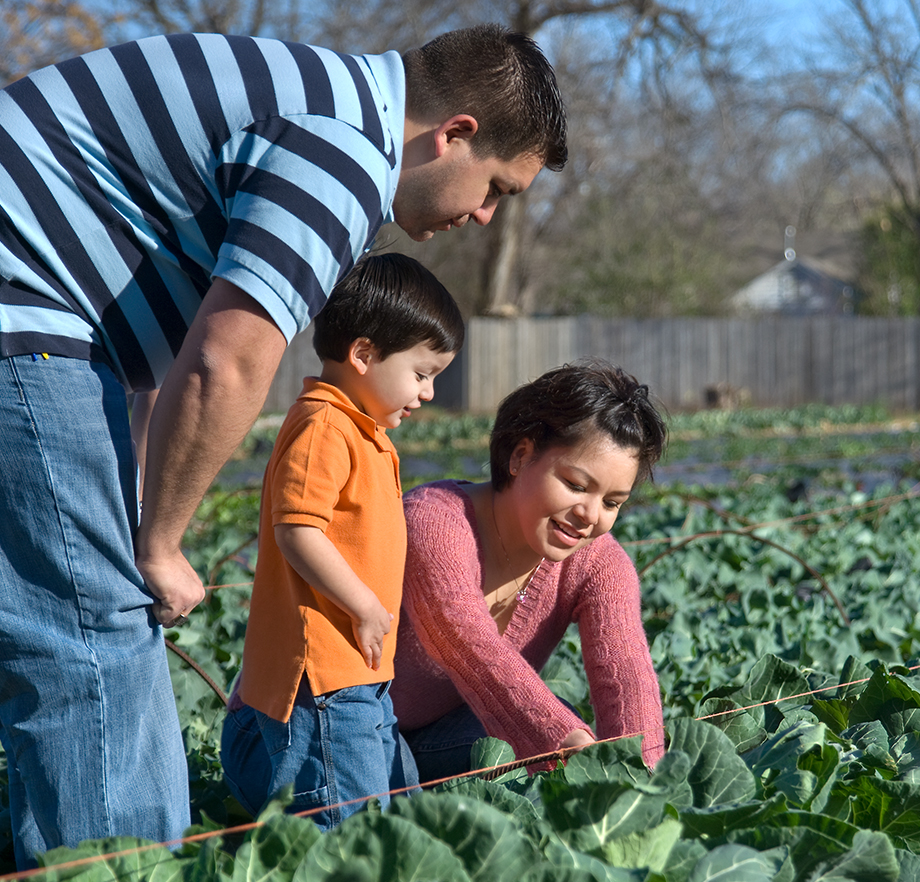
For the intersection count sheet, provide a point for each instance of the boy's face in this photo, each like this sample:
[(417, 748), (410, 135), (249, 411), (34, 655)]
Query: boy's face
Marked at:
[(392, 388)]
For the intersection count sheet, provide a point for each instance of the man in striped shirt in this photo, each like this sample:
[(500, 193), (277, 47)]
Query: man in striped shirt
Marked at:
[(172, 212)]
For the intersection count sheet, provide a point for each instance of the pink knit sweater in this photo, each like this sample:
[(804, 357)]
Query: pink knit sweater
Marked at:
[(448, 648)]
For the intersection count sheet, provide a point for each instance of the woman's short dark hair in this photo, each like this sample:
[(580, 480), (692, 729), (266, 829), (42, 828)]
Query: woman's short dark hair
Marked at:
[(566, 405), (499, 77), (394, 302)]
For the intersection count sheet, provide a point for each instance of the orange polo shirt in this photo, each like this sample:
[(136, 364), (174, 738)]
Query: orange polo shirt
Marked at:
[(334, 468)]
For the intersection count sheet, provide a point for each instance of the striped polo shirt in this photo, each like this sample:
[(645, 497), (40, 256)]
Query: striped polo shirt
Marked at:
[(132, 176)]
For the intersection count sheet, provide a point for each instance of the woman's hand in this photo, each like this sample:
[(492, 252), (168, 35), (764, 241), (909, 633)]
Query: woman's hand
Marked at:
[(578, 738)]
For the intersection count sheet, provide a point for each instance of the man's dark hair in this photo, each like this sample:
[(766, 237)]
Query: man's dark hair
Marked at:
[(567, 405), (499, 77), (394, 302)]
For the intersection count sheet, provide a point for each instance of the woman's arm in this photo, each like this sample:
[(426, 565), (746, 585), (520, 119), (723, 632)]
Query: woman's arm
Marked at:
[(624, 687), (443, 602)]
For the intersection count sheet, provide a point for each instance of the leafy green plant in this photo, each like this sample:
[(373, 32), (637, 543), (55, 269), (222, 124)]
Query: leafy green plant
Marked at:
[(788, 575)]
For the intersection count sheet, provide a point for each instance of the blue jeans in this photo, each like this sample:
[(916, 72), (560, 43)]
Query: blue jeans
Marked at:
[(335, 748), (442, 749), (87, 715)]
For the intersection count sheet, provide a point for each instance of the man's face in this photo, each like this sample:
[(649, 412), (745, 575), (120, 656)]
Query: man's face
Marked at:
[(456, 187)]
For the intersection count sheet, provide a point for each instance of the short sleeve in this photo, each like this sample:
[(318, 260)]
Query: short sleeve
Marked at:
[(308, 477)]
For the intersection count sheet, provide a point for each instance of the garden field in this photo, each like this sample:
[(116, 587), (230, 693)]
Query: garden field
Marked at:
[(779, 553)]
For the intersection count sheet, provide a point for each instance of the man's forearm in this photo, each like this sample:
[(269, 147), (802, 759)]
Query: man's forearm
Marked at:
[(209, 400)]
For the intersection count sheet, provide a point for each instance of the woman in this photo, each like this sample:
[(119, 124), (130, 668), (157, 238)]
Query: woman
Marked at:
[(497, 571)]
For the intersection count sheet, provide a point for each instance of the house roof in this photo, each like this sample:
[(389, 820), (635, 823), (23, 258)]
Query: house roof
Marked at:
[(801, 286)]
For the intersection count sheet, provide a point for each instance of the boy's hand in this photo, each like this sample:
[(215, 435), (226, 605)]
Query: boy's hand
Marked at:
[(320, 563), (370, 630)]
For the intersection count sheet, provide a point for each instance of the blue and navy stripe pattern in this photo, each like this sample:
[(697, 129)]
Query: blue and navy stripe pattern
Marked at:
[(131, 176)]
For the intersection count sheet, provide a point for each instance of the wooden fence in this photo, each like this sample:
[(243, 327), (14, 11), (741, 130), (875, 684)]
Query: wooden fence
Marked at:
[(688, 363)]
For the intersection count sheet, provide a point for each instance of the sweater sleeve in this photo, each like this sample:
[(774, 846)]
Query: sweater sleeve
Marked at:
[(443, 600), (624, 687)]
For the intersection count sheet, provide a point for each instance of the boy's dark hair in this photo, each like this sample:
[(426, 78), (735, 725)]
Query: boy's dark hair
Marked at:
[(564, 406), (393, 301), (499, 77)]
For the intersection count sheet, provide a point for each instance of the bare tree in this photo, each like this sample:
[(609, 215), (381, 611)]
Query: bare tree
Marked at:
[(40, 32), (866, 83)]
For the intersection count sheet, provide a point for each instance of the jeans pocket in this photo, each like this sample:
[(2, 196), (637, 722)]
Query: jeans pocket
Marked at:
[(275, 734)]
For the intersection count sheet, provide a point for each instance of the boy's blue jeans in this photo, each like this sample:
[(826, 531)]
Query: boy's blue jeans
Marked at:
[(335, 748), (87, 715)]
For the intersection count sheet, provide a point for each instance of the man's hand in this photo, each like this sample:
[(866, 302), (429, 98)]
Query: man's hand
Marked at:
[(175, 584)]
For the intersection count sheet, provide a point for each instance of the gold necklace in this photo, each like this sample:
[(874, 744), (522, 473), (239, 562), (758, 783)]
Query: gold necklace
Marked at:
[(521, 591)]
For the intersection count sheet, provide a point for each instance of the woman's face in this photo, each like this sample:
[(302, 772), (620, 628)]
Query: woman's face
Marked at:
[(565, 497)]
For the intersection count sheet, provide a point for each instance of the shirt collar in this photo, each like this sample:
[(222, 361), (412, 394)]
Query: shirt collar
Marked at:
[(315, 389)]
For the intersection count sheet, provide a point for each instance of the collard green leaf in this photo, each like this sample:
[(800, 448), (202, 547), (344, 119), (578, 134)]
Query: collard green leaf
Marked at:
[(908, 865), (274, 850), (891, 807), (619, 760), (487, 753), (745, 729), (885, 694), (118, 857), (589, 816), (736, 863), (871, 859), (905, 751), (489, 843), (772, 679), (685, 855), (499, 796), (717, 774), (825, 765), (564, 860), (649, 848), (779, 761), (380, 848), (715, 823)]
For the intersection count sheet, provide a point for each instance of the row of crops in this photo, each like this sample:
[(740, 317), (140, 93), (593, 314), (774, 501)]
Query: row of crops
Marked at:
[(779, 555)]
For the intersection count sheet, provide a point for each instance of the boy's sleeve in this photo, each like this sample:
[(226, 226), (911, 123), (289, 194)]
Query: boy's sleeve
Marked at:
[(309, 476)]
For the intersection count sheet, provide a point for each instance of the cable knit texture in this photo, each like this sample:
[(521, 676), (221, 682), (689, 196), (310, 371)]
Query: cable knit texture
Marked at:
[(449, 650)]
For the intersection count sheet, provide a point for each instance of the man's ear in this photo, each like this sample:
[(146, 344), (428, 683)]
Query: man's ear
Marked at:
[(360, 354), (458, 129)]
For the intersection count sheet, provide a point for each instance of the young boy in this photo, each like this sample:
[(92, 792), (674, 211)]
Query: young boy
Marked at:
[(312, 698)]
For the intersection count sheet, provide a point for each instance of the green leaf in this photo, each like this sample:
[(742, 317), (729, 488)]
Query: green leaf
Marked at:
[(905, 751), (714, 823), (744, 729), (157, 864), (649, 848), (834, 712), (891, 807), (885, 694), (619, 760), (488, 842), (380, 848), (717, 774), (564, 860), (274, 850), (871, 859), (908, 864), (588, 817), (489, 752), (737, 863)]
